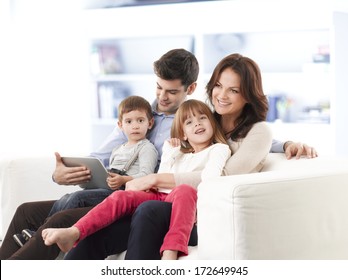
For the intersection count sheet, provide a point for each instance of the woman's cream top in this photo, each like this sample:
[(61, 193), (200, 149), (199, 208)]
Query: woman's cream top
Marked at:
[(248, 155)]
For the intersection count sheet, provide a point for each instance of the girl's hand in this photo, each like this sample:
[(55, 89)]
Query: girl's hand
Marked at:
[(144, 183), (115, 181), (174, 142)]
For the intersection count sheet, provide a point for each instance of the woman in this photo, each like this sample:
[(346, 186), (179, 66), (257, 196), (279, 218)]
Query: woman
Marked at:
[(240, 106)]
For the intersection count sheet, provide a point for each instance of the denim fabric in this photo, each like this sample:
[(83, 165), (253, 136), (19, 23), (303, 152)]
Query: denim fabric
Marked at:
[(150, 224), (79, 199)]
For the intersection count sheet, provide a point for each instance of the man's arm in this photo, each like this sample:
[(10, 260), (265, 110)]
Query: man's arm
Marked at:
[(298, 149), (64, 175), (293, 149)]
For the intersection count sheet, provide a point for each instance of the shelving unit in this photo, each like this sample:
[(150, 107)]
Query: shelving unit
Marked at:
[(124, 66), (295, 56)]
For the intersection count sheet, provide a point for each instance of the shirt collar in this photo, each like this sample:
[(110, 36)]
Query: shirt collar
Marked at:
[(155, 113)]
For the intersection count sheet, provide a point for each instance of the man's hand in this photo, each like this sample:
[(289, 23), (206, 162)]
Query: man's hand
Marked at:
[(299, 149), (64, 175)]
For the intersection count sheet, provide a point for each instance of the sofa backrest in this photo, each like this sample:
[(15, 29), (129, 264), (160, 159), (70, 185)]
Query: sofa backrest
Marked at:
[(278, 161)]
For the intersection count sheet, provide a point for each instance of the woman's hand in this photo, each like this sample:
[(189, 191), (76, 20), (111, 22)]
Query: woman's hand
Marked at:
[(144, 183), (64, 175), (299, 149)]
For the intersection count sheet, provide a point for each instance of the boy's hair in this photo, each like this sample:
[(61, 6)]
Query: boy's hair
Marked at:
[(132, 103), (192, 107), (177, 64)]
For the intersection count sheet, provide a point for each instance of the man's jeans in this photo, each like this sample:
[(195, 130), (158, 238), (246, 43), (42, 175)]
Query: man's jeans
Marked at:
[(79, 199)]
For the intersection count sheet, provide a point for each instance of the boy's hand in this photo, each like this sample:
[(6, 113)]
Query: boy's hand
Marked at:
[(115, 181)]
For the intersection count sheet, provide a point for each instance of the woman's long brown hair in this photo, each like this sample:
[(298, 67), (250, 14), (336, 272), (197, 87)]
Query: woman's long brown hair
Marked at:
[(250, 88)]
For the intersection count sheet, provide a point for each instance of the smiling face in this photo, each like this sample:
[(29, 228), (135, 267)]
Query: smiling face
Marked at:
[(198, 131), (195, 125), (226, 96), (170, 94), (135, 125)]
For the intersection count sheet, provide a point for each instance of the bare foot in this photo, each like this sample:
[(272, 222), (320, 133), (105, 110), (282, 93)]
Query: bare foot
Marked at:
[(169, 255), (64, 237)]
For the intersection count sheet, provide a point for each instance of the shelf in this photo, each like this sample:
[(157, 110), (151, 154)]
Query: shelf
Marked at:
[(287, 52), (274, 51), (133, 55), (123, 77)]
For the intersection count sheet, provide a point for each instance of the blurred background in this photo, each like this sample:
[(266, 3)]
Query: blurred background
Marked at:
[(65, 65)]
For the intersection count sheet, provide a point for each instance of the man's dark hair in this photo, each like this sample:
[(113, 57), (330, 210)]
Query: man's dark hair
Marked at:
[(178, 64)]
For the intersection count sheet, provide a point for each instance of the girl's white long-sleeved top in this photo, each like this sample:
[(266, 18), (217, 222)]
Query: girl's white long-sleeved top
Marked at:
[(248, 155), (209, 163)]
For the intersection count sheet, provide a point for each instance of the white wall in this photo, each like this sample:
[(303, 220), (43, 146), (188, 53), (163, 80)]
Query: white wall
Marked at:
[(44, 90), (44, 72), (340, 112)]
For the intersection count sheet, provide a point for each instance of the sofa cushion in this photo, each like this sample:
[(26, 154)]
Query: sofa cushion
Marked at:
[(298, 212), (26, 179), (278, 161)]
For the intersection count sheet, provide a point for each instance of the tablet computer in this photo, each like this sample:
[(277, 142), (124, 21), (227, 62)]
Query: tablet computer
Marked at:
[(98, 171)]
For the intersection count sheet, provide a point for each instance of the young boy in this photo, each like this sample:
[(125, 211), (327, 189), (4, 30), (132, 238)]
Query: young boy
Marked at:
[(135, 119)]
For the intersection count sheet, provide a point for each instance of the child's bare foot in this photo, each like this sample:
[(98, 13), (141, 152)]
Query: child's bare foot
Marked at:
[(64, 237), (169, 255)]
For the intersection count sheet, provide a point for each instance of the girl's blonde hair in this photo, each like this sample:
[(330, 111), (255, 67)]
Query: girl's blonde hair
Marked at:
[(187, 109)]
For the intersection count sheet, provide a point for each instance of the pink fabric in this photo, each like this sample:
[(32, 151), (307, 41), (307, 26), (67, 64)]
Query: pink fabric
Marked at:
[(121, 203), (184, 202)]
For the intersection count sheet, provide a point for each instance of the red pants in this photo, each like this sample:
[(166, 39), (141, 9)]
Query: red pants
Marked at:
[(118, 204)]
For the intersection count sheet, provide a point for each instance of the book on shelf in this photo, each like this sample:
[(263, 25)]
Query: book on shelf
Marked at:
[(110, 59), (110, 94), (105, 59)]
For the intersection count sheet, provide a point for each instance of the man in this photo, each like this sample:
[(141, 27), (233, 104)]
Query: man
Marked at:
[(177, 73)]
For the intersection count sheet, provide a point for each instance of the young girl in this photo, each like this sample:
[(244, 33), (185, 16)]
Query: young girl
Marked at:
[(202, 148)]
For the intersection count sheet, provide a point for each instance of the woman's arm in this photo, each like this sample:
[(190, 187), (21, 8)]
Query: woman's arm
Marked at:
[(163, 179), (159, 180), (190, 178), (214, 164), (249, 153)]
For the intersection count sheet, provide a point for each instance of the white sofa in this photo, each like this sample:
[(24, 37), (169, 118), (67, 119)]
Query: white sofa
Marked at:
[(26, 179), (293, 209)]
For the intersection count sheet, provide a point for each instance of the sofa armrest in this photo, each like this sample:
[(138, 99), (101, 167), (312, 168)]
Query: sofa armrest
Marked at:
[(294, 214), (26, 179)]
